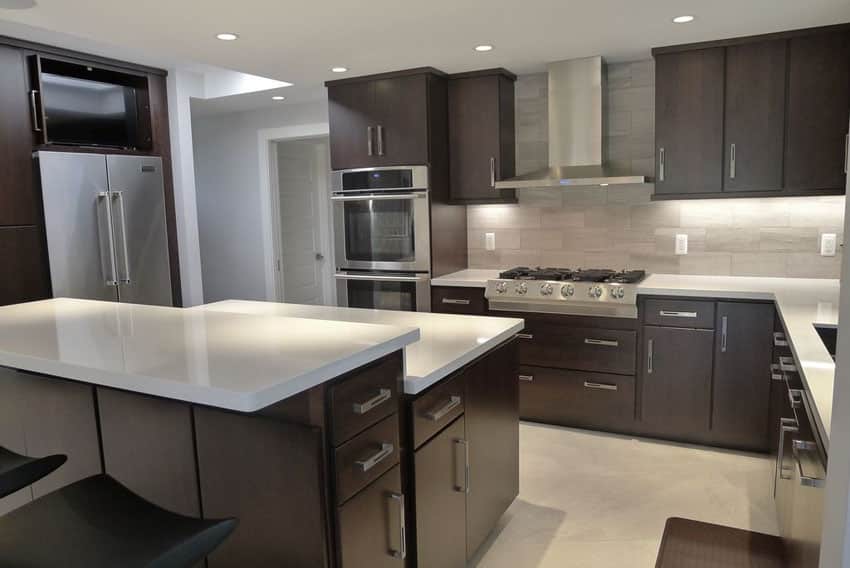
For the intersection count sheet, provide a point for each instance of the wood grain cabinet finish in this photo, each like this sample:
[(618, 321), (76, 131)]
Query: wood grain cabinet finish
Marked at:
[(437, 408), (689, 122), (458, 300), (583, 349), (670, 312), (23, 259), (350, 114), (481, 136), (741, 385), (365, 457)]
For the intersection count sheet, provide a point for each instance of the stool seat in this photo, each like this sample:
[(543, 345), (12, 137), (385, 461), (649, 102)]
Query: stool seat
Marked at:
[(97, 522), (17, 471)]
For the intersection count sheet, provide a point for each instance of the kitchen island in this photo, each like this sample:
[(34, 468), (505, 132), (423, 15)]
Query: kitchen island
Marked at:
[(303, 428)]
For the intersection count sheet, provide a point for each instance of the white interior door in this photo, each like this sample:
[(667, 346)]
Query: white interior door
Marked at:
[(302, 181)]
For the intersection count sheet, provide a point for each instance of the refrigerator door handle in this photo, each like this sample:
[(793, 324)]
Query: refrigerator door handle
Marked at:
[(118, 196), (111, 279)]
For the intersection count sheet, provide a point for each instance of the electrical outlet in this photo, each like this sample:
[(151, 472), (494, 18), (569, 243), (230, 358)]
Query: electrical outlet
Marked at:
[(490, 241), (828, 244), (682, 243)]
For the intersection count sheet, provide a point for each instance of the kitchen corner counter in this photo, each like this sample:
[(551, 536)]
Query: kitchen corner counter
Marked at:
[(226, 360), (447, 343), (469, 278)]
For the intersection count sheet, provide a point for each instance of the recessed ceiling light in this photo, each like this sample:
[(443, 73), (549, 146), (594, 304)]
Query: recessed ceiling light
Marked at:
[(278, 98), (339, 69), (683, 19), (228, 36), (484, 47)]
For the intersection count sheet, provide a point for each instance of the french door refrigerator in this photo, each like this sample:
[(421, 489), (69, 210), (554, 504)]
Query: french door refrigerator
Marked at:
[(105, 226)]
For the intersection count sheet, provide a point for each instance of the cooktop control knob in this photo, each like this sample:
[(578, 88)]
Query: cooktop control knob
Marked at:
[(501, 287), (545, 289), (619, 292), (567, 290), (521, 288), (595, 292)]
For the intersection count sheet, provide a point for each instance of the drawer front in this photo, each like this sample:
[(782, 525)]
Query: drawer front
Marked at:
[(364, 399), (581, 349), (679, 313), (575, 398), (363, 459), (437, 408), (455, 300)]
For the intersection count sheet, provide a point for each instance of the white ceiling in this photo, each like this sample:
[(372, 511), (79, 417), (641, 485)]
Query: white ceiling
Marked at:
[(298, 40)]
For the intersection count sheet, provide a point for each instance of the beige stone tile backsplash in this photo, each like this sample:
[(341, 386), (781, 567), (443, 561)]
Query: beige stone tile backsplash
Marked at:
[(621, 227)]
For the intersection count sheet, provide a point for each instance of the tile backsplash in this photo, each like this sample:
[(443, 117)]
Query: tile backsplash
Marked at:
[(620, 227)]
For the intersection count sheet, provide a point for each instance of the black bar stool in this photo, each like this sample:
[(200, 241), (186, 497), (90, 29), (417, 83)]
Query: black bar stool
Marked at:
[(17, 471), (97, 522)]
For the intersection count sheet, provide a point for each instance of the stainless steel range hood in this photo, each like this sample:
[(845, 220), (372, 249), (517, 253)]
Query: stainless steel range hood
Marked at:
[(575, 131)]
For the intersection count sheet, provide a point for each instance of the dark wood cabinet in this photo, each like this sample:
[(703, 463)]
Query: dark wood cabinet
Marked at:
[(741, 385), (24, 263), (676, 382), (481, 136), (457, 300), (754, 116), (547, 344), (401, 120), (352, 142), (689, 122), (440, 479), (818, 112)]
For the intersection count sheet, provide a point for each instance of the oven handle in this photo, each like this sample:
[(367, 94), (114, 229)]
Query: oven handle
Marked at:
[(377, 197), (342, 276)]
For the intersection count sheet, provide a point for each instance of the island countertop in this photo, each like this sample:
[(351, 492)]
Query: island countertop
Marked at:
[(447, 343), (217, 358)]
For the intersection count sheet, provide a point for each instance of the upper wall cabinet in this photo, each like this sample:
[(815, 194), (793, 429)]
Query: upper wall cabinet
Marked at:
[(384, 120), (761, 116), (481, 136)]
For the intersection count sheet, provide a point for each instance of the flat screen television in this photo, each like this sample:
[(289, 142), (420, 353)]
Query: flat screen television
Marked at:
[(88, 113)]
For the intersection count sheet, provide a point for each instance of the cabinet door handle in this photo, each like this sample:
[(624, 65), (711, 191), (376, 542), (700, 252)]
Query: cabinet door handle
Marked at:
[(775, 374), (440, 413), (369, 141), (795, 398), (600, 386), (525, 335), (779, 339), (732, 161), (401, 551), (34, 109), (672, 314), (846, 153), (649, 355), (376, 458), (787, 426), (492, 172), (661, 164), (798, 447), (605, 342), (724, 333), (786, 364), (463, 461), (380, 140), (526, 378), (456, 302), (367, 405)]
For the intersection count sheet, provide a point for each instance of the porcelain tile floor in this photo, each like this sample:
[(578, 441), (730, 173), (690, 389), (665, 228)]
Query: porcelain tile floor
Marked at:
[(592, 500)]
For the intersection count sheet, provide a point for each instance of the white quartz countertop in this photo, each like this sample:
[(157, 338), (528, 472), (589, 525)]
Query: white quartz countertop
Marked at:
[(447, 342), (218, 358), (802, 303)]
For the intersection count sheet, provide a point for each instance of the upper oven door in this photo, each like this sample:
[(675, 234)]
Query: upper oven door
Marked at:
[(382, 231)]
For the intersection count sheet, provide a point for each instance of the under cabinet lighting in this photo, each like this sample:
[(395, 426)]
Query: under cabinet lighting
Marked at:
[(683, 19), (228, 36), (483, 48)]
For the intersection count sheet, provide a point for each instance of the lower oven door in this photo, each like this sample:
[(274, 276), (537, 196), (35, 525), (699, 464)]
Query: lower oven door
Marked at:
[(384, 291)]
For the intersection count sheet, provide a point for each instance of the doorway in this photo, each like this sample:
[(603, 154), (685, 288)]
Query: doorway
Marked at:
[(300, 212)]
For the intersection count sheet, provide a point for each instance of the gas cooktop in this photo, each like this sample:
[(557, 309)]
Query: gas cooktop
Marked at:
[(575, 275)]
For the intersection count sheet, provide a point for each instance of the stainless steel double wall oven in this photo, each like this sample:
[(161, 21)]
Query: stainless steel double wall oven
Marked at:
[(382, 238)]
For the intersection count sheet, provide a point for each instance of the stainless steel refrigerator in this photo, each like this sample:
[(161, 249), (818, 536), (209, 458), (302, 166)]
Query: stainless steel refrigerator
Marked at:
[(105, 225)]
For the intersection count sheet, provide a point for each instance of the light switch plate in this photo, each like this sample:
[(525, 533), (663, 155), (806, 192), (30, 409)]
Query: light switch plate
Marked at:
[(828, 244), (682, 243), (490, 241)]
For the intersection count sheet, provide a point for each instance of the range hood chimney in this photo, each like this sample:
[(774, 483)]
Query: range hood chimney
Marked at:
[(575, 131)]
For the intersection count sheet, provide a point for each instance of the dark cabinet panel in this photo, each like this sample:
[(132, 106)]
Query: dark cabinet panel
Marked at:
[(676, 382), (818, 111), (481, 136), (492, 430), (679, 313), (371, 525), (441, 499), (585, 349), (434, 410), (741, 389), (18, 204), (352, 137), (754, 116), (689, 122), (401, 120), (12, 434), (24, 264), (365, 457), (457, 300)]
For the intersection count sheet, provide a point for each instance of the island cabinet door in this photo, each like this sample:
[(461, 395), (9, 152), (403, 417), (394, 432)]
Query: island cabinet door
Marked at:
[(441, 479)]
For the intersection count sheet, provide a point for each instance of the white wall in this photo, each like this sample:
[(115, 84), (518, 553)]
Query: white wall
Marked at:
[(227, 180)]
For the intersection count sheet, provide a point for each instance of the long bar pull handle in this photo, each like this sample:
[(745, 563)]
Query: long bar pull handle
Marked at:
[(732, 161), (463, 445), (804, 447), (440, 413), (111, 279), (380, 140), (787, 364), (376, 458), (775, 373), (779, 339), (34, 109), (724, 333), (604, 342), (600, 386), (672, 314), (788, 425), (492, 172), (649, 355), (125, 257), (367, 405), (526, 378), (455, 302), (846, 152), (795, 398), (401, 551), (525, 335), (369, 148), (661, 164)]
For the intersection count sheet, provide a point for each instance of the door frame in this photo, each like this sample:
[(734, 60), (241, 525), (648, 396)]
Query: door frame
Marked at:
[(267, 139)]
